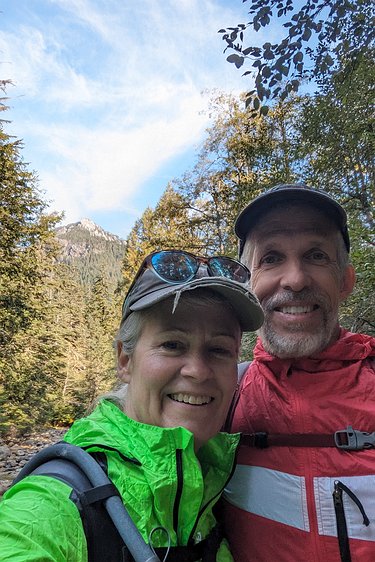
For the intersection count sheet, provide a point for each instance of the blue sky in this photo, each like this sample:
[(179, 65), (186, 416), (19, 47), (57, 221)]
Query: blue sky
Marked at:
[(107, 96)]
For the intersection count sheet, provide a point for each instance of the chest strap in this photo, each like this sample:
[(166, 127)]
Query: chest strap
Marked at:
[(347, 439), (204, 551)]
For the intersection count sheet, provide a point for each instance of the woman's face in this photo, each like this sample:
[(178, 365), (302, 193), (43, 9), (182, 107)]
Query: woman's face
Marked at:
[(183, 371)]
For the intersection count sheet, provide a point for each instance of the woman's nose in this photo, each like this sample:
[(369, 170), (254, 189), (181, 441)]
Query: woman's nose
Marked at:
[(197, 366)]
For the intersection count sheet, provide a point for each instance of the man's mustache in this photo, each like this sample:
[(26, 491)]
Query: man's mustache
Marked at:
[(305, 296)]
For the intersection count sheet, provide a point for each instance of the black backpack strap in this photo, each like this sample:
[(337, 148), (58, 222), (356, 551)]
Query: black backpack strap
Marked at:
[(206, 550), (104, 543), (241, 370)]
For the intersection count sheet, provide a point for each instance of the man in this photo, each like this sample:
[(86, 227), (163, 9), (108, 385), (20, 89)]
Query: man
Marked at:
[(302, 492)]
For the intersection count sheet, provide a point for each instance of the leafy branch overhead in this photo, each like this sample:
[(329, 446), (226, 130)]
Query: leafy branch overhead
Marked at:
[(319, 35)]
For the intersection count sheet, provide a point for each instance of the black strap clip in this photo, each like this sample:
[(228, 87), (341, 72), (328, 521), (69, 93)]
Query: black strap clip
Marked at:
[(261, 440), (354, 440)]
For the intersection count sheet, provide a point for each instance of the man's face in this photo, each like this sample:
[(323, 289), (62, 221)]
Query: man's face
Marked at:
[(292, 254)]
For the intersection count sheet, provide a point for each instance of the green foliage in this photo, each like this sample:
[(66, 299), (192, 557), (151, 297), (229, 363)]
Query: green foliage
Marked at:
[(320, 34), (22, 229), (337, 142), (27, 252), (168, 226), (102, 322), (56, 331), (240, 156)]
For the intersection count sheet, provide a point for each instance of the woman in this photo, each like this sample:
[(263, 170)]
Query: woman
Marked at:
[(177, 352)]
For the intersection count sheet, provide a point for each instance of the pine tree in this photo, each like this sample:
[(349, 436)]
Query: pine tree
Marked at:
[(26, 254), (168, 226), (102, 322)]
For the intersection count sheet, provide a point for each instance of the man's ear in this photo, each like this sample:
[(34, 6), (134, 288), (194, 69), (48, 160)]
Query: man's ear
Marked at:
[(348, 283), (123, 362)]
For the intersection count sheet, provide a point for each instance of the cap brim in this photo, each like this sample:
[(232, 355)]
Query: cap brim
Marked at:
[(244, 303)]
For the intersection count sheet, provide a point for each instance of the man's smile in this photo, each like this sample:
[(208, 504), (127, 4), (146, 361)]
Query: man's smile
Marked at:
[(296, 309)]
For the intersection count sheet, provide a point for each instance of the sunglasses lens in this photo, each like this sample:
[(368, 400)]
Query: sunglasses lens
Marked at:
[(174, 267), (226, 267)]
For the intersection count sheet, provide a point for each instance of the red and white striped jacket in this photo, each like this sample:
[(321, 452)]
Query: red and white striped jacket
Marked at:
[(279, 504)]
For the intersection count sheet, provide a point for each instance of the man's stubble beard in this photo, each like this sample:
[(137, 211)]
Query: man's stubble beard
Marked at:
[(299, 342)]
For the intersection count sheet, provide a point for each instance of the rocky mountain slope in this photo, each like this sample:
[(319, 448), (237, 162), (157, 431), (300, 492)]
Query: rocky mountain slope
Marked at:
[(91, 250)]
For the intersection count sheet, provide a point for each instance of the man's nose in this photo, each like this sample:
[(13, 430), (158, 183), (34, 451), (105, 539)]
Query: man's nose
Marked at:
[(294, 276)]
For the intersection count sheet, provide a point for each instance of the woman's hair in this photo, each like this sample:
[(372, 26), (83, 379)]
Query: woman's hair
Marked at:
[(130, 331)]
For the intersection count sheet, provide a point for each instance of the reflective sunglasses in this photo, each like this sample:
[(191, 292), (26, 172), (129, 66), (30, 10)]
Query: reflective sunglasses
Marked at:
[(177, 266)]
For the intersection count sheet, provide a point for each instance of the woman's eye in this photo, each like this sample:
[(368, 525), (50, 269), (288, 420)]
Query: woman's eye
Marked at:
[(318, 256), (270, 259), (171, 345), (225, 351)]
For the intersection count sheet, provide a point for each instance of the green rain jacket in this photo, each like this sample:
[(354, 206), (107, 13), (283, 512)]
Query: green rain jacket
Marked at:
[(160, 478)]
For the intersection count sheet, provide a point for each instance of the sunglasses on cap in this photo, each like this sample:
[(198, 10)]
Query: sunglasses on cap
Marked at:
[(177, 266), (165, 273)]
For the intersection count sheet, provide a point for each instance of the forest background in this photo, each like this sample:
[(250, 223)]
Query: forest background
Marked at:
[(56, 332)]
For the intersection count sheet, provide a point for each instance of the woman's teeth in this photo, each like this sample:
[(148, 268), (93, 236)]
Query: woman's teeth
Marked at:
[(188, 399)]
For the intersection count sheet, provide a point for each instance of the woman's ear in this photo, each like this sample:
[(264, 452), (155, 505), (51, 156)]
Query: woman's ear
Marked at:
[(123, 362)]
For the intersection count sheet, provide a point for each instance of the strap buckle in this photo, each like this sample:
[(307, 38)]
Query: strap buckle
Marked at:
[(354, 440), (261, 440)]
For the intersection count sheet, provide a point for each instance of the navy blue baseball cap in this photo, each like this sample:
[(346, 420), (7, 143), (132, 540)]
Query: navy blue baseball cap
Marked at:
[(285, 193)]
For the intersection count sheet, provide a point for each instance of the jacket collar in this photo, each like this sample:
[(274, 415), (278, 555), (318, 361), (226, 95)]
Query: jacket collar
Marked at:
[(348, 347)]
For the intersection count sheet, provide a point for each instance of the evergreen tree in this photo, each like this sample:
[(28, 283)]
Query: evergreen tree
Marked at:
[(26, 254), (102, 320), (67, 305), (168, 226)]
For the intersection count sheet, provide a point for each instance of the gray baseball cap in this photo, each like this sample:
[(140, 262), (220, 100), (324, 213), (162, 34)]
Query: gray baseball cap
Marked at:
[(150, 289), (284, 193)]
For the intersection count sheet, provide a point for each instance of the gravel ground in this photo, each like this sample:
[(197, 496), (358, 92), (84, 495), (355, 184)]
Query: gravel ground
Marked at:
[(15, 452)]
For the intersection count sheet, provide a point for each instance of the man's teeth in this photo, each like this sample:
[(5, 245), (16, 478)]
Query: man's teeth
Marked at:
[(296, 309), (188, 399)]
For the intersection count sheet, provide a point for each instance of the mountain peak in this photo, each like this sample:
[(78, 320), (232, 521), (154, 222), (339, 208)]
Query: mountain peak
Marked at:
[(88, 223), (90, 227), (92, 250)]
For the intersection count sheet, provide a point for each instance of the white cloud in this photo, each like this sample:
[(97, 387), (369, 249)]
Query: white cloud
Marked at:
[(101, 169), (109, 92)]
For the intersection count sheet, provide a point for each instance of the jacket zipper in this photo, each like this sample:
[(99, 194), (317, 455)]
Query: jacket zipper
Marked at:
[(214, 497), (177, 500), (342, 530)]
